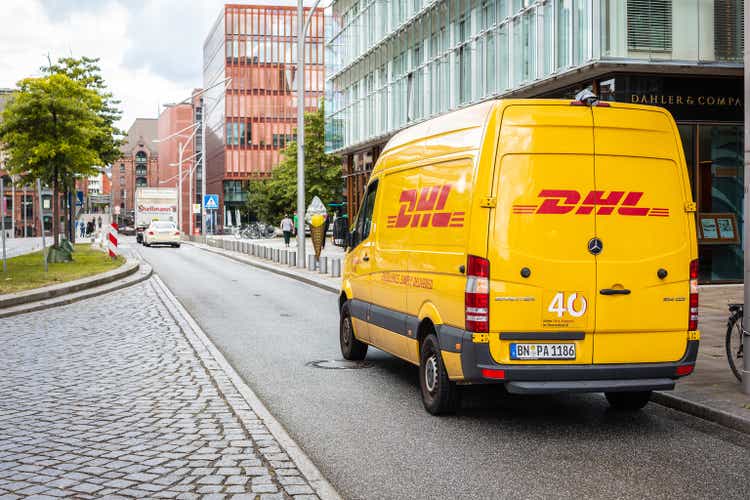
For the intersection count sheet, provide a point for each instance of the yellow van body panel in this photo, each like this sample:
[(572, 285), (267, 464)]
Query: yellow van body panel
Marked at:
[(529, 185)]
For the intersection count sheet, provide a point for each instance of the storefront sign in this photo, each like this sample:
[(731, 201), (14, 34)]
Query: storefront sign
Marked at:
[(687, 98)]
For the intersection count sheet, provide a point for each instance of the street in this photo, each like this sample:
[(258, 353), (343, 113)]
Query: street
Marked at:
[(367, 432)]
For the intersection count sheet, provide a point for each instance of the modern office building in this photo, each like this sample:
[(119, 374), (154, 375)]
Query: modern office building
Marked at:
[(391, 64), (250, 121)]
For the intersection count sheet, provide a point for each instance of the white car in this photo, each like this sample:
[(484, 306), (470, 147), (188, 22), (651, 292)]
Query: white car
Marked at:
[(161, 233)]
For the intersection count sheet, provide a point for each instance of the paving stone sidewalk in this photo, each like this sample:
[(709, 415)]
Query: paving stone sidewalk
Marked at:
[(127, 405)]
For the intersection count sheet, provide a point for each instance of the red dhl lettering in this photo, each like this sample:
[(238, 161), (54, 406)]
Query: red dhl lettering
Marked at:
[(425, 208), (568, 201)]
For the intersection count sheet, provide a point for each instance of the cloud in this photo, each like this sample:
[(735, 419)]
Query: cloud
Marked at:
[(150, 51)]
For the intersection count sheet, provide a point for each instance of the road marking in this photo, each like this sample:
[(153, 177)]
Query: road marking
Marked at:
[(315, 478)]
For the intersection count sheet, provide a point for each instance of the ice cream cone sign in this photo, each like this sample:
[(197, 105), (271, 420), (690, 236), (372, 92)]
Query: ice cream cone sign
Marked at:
[(317, 223)]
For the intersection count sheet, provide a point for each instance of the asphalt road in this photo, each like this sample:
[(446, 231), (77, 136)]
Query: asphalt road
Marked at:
[(367, 431)]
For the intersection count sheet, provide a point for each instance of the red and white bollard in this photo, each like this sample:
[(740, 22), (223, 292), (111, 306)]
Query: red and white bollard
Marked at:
[(112, 237)]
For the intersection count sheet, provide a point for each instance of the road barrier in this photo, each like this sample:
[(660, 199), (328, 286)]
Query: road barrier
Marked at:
[(112, 237)]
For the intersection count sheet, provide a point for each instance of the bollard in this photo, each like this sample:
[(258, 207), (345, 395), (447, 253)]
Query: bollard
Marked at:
[(311, 262), (323, 265), (335, 268), (247, 248), (284, 257), (276, 256), (266, 253), (254, 250), (293, 259)]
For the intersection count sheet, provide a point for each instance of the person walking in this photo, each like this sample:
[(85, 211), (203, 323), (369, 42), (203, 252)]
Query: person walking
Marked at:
[(286, 226)]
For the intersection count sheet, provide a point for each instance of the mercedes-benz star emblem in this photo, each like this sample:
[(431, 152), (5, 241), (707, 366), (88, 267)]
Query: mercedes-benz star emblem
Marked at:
[(595, 246)]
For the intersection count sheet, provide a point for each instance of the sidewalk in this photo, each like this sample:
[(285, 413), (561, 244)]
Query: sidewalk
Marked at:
[(711, 392)]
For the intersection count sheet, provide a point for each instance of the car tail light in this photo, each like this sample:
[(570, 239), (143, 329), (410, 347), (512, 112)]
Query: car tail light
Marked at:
[(683, 370), (477, 296), (693, 319), (150, 233), (176, 233)]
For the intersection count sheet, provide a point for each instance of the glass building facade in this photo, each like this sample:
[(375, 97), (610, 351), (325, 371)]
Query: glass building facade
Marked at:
[(250, 121), (391, 64)]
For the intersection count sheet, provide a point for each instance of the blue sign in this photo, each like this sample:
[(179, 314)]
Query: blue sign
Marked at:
[(79, 195), (211, 202)]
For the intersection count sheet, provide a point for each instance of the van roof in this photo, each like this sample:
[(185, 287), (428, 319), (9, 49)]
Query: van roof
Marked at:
[(469, 122)]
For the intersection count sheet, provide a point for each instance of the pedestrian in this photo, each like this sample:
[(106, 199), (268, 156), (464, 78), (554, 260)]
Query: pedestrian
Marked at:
[(294, 231), (89, 228), (83, 228), (287, 226)]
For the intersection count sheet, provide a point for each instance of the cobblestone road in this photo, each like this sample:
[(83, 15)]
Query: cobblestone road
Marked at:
[(109, 397)]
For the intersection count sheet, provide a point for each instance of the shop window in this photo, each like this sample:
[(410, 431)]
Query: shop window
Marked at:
[(720, 197)]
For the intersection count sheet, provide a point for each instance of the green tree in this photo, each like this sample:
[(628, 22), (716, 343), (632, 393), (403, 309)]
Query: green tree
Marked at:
[(50, 129), (86, 71), (270, 199)]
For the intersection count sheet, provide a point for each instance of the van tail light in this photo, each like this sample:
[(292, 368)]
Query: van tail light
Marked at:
[(176, 233), (477, 296), (150, 233), (683, 370), (693, 319)]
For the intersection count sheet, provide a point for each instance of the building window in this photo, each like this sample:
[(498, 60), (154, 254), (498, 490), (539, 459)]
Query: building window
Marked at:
[(729, 29), (650, 25), (141, 158), (122, 180), (140, 182), (122, 167)]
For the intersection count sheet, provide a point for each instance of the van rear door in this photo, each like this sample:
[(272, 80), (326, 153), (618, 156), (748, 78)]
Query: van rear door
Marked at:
[(643, 268), (542, 277)]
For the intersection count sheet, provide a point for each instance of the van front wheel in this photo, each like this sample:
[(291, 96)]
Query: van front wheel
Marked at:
[(351, 348), (439, 394), (628, 401)]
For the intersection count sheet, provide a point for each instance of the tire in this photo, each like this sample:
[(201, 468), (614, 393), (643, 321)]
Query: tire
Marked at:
[(439, 394), (351, 348), (628, 401), (176, 245), (733, 344)]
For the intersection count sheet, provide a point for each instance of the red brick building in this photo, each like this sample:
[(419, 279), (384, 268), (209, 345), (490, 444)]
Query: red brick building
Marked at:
[(173, 119), (248, 123), (138, 167)]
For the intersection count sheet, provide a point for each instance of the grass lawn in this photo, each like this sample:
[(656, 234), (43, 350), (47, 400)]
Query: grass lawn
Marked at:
[(27, 271)]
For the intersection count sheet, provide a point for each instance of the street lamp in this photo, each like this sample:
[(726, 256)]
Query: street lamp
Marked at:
[(302, 31), (190, 184), (180, 151)]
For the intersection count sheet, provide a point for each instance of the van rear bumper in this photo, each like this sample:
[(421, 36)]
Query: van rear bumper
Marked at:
[(539, 378), (624, 385)]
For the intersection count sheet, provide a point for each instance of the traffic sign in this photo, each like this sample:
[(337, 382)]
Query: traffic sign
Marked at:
[(196, 208), (211, 201), (79, 195)]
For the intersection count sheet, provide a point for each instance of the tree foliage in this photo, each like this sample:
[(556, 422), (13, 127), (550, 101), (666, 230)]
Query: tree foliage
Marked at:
[(86, 71), (50, 129), (270, 199)]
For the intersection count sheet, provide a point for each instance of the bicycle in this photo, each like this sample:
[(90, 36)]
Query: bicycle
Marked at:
[(733, 340)]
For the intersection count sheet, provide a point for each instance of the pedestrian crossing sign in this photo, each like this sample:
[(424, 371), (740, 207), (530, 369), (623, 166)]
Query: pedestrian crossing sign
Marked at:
[(211, 201)]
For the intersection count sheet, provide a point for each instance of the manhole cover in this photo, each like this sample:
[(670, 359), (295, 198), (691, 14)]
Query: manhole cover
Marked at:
[(339, 364)]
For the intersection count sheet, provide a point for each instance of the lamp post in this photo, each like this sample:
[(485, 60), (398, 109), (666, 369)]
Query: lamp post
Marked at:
[(301, 32)]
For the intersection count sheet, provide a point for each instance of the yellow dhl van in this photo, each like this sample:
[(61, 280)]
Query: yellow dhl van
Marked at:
[(548, 245)]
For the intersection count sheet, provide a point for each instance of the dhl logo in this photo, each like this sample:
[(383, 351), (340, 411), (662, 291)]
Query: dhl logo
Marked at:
[(563, 201), (425, 208)]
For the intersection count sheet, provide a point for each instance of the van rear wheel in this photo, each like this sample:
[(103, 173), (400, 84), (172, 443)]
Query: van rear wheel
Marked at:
[(351, 348), (628, 401), (439, 394)]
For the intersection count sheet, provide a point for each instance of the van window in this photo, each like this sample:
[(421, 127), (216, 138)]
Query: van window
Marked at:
[(364, 220)]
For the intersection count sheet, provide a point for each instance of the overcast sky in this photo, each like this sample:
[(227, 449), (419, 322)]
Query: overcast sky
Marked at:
[(151, 50)]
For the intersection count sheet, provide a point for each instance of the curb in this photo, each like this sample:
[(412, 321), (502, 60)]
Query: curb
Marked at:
[(671, 401), (52, 291), (265, 267), (702, 411), (85, 293), (315, 478)]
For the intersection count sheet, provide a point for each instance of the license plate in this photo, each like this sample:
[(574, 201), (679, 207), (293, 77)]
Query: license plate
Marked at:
[(542, 351)]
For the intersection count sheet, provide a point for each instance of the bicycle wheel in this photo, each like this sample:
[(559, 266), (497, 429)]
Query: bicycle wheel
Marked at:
[(734, 344)]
